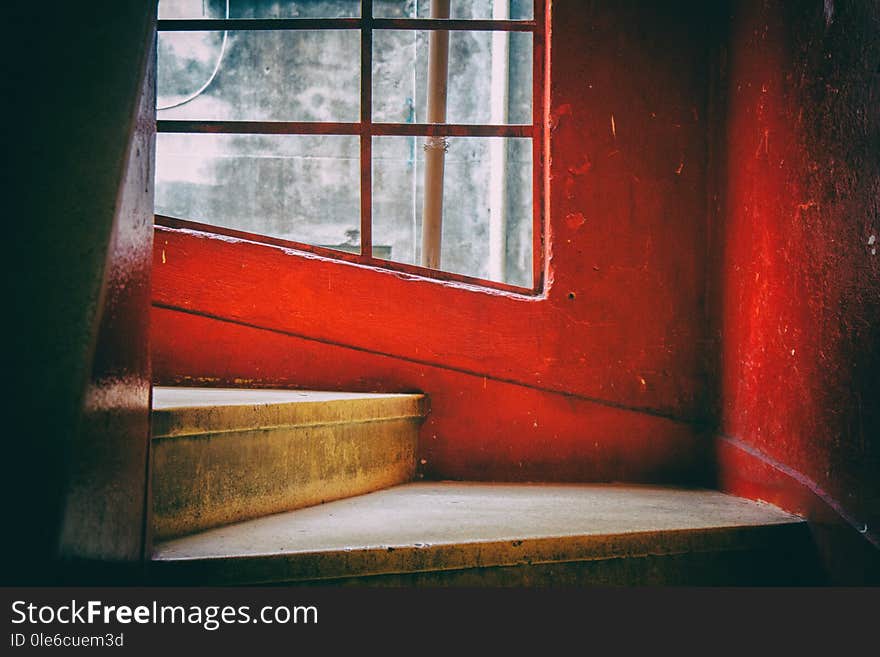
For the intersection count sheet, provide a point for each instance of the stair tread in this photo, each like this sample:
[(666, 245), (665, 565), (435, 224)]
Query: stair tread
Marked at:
[(190, 410), (420, 526), (168, 397)]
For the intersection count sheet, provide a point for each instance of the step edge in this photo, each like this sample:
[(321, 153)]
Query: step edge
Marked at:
[(373, 397), (185, 433), (691, 540), (194, 420)]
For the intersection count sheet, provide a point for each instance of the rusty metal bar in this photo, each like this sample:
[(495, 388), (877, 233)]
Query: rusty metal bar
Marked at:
[(366, 125), (435, 147), (244, 24), (452, 130), (260, 127), (316, 128), (469, 24)]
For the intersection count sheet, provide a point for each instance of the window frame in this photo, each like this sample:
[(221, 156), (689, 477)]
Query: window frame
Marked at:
[(365, 129)]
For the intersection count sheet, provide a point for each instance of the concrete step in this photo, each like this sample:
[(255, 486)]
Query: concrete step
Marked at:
[(503, 534), (225, 455)]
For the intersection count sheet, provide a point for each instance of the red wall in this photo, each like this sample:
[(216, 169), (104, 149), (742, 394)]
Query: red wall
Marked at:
[(79, 212), (106, 506), (601, 377), (797, 284)]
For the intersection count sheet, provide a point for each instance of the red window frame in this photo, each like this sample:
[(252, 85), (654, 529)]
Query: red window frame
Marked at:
[(366, 129)]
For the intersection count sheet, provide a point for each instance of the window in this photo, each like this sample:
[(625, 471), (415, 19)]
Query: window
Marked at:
[(404, 134)]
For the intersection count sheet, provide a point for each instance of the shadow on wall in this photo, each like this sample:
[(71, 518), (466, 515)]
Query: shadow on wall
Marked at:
[(79, 355), (797, 275)]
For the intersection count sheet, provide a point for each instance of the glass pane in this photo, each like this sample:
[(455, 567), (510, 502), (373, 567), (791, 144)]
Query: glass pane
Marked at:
[(478, 92), (303, 188), (259, 8), (303, 75), (500, 9), (487, 205)]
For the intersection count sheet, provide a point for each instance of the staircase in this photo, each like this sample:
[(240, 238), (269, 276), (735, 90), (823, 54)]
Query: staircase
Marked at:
[(271, 486)]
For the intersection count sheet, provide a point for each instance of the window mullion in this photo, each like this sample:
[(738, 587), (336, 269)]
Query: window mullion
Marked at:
[(540, 147), (366, 129)]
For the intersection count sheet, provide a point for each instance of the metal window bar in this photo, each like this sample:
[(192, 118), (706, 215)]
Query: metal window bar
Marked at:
[(240, 24), (375, 129), (366, 129)]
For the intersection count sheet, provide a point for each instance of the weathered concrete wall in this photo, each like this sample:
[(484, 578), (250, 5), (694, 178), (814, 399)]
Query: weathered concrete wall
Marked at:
[(797, 284)]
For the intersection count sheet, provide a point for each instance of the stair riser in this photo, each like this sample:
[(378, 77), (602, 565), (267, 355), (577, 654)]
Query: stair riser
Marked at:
[(771, 566), (207, 480), (735, 568)]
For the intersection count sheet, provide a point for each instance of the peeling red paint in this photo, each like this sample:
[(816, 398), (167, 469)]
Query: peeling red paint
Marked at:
[(581, 169), (798, 294), (575, 220)]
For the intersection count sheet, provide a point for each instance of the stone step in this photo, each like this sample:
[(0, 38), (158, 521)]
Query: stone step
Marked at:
[(475, 534), (226, 455)]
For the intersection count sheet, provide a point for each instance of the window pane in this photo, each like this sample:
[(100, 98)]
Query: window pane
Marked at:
[(478, 92), (259, 75), (515, 9), (487, 205), (259, 8), (301, 188)]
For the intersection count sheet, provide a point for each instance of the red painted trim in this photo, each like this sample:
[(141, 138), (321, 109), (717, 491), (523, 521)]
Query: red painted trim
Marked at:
[(332, 254), (540, 147)]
